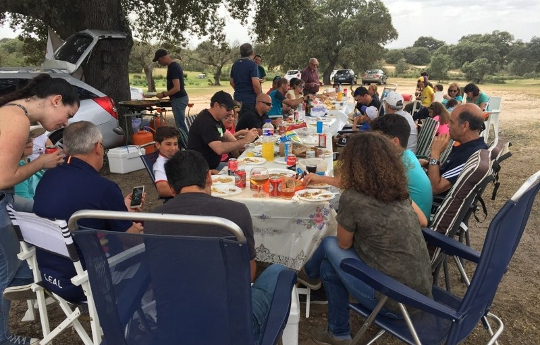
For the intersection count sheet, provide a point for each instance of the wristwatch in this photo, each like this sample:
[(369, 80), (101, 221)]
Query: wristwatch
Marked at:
[(434, 161)]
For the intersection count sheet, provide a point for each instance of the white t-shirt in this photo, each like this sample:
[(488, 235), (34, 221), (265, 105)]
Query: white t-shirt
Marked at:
[(39, 146), (159, 169)]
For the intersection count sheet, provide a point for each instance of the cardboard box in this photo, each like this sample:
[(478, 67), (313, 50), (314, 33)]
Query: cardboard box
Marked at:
[(125, 159), (290, 333)]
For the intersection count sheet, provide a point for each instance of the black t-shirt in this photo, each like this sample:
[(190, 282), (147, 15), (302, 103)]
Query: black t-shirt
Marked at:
[(174, 71), (203, 131), (202, 204), (251, 119)]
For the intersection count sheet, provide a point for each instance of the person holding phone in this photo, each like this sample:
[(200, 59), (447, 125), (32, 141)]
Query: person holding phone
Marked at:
[(77, 185)]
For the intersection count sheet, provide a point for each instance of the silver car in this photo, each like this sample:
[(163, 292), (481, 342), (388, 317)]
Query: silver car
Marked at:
[(374, 76)]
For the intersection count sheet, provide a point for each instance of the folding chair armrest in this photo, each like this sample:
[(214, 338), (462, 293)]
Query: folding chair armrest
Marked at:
[(279, 310), (396, 290), (421, 157), (450, 246)]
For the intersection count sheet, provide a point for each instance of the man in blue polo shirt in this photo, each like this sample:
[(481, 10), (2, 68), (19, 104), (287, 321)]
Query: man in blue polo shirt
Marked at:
[(466, 123), (245, 79), (73, 186)]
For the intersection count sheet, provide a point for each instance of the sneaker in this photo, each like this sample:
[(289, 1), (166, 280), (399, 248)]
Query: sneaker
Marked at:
[(313, 284), (324, 337), (20, 340), (21, 292)]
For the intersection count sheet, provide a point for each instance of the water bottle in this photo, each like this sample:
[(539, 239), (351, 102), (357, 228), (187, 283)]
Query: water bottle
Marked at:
[(268, 129)]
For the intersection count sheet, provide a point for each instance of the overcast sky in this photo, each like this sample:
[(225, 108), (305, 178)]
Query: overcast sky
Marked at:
[(443, 20)]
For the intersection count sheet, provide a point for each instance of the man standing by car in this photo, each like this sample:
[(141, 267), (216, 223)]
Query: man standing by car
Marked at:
[(175, 88), (310, 76), (245, 79)]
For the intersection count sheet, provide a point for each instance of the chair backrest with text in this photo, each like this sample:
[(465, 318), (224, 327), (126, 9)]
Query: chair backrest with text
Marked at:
[(54, 237)]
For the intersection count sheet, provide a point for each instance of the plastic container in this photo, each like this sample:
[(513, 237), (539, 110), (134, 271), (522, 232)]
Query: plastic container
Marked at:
[(124, 159)]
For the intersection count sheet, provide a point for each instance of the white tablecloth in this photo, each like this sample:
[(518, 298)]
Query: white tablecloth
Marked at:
[(288, 231)]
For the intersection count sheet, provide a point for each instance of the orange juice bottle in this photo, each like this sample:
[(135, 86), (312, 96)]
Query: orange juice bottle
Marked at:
[(268, 149)]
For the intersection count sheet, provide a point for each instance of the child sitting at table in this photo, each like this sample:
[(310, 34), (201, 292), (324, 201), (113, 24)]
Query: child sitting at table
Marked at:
[(166, 139), (370, 114)]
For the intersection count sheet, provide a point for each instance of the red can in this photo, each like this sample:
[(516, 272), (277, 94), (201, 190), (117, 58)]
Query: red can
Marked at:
[(322, 140), (240, 178), (274, 186), (233, 166), (291, 162), (50, 149)]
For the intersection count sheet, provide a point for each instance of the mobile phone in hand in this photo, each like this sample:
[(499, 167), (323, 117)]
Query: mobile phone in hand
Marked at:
[(136, 196)]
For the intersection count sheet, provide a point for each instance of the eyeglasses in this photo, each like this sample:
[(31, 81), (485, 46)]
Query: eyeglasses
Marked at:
[(315, 64), (452, 90), (267, 103)]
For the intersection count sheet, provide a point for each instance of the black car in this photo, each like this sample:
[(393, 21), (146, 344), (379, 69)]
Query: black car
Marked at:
[(345, 76)]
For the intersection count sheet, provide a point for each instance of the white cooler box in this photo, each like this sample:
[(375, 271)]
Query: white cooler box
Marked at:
[(124, 159), (290, 333)]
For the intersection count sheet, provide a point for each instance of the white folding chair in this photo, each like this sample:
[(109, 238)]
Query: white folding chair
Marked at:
[(494, 109), (54, 237)]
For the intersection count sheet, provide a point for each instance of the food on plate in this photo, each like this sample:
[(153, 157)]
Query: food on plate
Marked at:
[(315, 195), (217, 191), (251, 160), (222, 179), (318, 184)]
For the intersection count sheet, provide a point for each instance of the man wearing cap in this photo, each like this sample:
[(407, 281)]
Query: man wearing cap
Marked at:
[(393, 104), (466, 123), (175, 88), (310, 76), (208, 135), (245, 79), (362, 97), (371, 114)]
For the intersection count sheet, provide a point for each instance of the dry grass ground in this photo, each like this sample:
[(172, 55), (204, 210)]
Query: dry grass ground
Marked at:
[(518, 299)]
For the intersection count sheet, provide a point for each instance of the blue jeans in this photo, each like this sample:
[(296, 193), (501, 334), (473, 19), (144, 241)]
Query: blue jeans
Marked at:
[(13, 272), (179, 111), (338, 285), (262, 293)]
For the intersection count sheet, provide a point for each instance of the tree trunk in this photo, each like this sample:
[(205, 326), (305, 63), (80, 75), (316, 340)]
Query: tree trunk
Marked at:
[(149, 77), (217, 75)]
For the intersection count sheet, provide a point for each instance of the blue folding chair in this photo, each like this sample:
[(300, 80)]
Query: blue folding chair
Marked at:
[(199, 289), (447, 318)]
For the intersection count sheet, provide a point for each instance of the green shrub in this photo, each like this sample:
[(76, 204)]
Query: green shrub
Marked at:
[(159, 77)]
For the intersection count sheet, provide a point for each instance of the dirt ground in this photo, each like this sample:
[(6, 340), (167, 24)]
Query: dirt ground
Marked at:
[(517, 301)]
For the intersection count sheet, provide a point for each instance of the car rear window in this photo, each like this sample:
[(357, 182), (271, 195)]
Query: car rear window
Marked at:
[(73, 48), (9, 85), (373, 71), (293, 72), (342, 72)]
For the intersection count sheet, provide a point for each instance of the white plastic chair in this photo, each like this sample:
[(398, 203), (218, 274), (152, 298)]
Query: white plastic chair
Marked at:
[(494, 109), (54, 237)]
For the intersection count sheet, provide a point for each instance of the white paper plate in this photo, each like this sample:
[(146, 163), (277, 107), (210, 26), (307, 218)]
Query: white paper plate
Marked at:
[(314, 195), (225, 190), (280, 160), (253, 160), (222, 179)]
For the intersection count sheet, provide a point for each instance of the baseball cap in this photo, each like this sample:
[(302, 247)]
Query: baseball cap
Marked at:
[(372, 112), (421, 79), (159, 53), (394, 100), (360, 91), (224, 98), (36, 131)]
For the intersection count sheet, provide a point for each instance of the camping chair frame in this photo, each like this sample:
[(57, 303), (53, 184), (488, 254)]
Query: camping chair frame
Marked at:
[(54, 236), (460, 314)]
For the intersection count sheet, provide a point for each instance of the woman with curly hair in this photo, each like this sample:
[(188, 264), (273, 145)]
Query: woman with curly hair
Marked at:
[(377, 225)]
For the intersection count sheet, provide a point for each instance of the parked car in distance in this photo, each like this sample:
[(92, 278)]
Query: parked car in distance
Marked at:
[(374, 76), (96, 107), (345, 76), (292, 73)]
